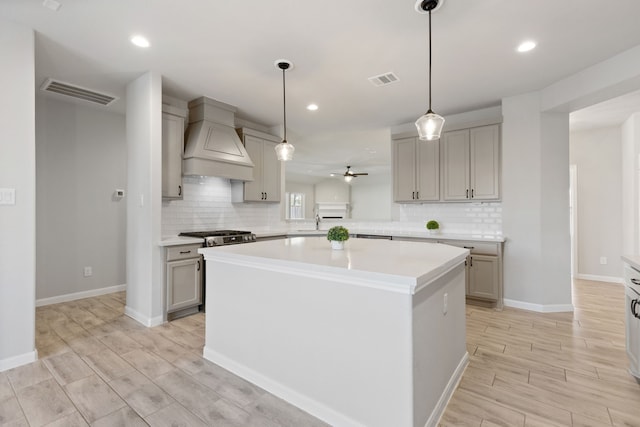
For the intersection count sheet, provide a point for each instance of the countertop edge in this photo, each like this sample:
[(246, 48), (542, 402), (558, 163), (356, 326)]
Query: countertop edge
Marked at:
[(378, 280)]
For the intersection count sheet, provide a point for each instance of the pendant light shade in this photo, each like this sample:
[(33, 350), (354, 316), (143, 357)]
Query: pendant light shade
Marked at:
[(430, 124), (284, 150)]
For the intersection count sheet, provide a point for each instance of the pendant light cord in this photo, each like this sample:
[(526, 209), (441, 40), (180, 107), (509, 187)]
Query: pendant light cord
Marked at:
[(284, 105), (430, 60)]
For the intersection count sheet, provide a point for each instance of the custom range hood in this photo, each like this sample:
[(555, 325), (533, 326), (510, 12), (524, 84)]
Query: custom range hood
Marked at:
[(212, 146)]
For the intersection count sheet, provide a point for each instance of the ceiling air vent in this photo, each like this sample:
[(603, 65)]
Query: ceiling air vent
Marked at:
[(62, 88), (384, 79)]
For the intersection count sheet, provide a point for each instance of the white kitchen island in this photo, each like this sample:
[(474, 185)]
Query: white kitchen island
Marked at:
[(370, 336)]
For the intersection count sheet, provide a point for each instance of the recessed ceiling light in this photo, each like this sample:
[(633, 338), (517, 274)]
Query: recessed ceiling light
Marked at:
[(312, 107), (140, 41), (526, 46)]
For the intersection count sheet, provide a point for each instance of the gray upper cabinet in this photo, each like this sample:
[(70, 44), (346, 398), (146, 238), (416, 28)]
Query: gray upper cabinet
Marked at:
[(471, 164), (416, 170), (267, 170), (172, 147), (455, 160), (173, 126)]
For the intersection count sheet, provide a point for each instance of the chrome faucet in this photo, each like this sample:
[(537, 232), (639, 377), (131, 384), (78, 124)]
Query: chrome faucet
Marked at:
[(317, 222)]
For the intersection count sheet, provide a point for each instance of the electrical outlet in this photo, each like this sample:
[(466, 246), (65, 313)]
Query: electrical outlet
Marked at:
[(88, 272), (603, 260), (445, 304)]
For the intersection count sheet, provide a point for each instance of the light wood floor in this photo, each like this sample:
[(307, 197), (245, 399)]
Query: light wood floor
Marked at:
[(558, 369), (98, 367), (101, 368)]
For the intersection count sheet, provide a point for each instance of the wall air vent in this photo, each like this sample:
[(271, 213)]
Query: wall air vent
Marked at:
[(62, 88), (384, 79)]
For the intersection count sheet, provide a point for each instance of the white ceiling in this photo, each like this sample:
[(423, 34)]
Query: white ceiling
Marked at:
[(226, 49)]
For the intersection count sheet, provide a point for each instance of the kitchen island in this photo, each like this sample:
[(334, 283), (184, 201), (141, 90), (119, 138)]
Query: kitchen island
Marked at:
[(373, 335)]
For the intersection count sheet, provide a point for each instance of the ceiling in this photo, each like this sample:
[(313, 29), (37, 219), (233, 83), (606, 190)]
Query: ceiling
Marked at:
[(226, 50)]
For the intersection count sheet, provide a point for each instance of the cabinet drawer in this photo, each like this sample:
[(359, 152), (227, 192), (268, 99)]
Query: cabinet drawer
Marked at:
[(182, 252), (476, 248)]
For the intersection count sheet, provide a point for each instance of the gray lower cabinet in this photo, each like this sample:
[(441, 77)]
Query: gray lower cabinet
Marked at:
[(483, 277), (183, 277)]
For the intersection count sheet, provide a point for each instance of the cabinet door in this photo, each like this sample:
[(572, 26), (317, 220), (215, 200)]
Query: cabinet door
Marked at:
[(404, 170), (428, 170), (483, 277), (455, 162), (485, 162), (184, 284), (172, 149), (271, 171), (253, 190)]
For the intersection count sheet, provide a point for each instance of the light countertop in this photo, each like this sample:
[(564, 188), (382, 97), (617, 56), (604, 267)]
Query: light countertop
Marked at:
[(180, 240), (632, 260), (393, 265)]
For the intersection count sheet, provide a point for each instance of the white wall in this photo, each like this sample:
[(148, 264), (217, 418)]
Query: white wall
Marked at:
[(370, 200), (17, 221), (81, 158), (535, 202), (333, 190), (206, 205), (145, 287), (631, 185), (597, 155)]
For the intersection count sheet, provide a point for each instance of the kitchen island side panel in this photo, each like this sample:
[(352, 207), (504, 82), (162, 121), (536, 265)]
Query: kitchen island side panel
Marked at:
[(341, 352), (439, 345)]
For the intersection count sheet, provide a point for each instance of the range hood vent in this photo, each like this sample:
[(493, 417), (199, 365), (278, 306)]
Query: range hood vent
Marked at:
[(67, 89), (212, 146)]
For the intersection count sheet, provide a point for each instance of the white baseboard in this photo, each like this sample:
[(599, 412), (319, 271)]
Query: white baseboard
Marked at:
[(15, 361), (80, 295), (437, 412), (149, 322), (300, 400), (596, 278), (540, 308)]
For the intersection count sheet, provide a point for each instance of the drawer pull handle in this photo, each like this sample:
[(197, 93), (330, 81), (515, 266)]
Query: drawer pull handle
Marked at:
[(635, 281), (467, 193), (470, 261), (198, 266), (185, 252), (472, 193), (179, 190)]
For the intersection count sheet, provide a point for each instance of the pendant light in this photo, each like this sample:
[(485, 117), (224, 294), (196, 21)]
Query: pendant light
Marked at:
[(284, 150), (430, 124)]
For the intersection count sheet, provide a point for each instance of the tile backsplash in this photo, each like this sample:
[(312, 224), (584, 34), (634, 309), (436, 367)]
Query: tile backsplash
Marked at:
[(207, 205)]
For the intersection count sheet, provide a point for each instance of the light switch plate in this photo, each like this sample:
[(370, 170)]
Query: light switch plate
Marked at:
[(7, 196)]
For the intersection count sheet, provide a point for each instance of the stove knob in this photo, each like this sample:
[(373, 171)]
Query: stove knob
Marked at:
[(253, 237), (211, 242)]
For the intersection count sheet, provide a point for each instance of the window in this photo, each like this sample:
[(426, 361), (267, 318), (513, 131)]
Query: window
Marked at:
[(295, 206)]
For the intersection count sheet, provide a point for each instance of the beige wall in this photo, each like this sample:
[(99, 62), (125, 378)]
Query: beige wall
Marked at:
[(597, 155)]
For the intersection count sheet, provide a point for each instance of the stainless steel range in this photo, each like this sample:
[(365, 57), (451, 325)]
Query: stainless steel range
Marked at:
[(222, 237), (217, 238)]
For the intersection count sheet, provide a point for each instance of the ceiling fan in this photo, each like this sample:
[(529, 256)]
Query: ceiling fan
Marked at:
[(349, 175)]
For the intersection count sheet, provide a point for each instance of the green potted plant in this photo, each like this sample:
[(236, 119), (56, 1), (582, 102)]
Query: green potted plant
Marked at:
[(433, 226), (337, 236)]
